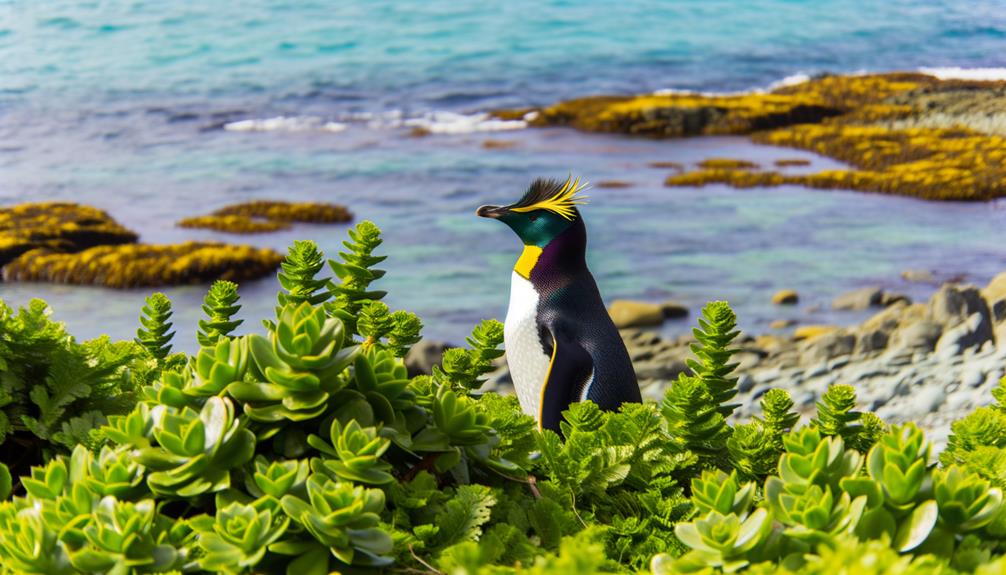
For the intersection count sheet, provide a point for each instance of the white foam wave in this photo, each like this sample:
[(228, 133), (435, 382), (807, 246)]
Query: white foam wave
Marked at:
[(453, 123), (956, 73), (285, 124)]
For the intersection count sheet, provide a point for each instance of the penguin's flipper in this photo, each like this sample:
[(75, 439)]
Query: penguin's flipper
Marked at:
[(568, 371)]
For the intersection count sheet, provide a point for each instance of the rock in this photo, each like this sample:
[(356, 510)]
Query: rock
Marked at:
[(927, 399), (785, 297), (919, 336), (995, 295), (953, 303), (972, 333), (782, 323), (860, 299), (891, 298), (886, 319), (745, 383), (972, 377), (921, 276), (423, 356), (628, 313), (57, 227), (812, 331), (829, 345), (872, 341), (661, 370), (674, 310)]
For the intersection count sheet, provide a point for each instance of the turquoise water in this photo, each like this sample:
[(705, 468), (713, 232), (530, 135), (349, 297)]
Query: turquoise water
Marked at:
[(157, 110)]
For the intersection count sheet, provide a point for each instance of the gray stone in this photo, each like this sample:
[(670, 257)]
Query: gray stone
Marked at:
[(971, 333), (827, 346), (860, 299), (872, 341), (661, 370), (952, 304), (918, 336), (890, 298), (628, 313), (927, 399), (745, 383), (423, 356), (972, 377)]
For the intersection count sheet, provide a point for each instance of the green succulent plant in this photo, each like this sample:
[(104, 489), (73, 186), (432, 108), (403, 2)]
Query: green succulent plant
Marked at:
[(113, 471), (356, 272), (354, 455), (298, 369), (722, 541), (219, 305), (237, 538), (196, 451), (899, 463), (717, 491), (28, 545), (155, 334), (812, 459), (966, 501), (342, 517), (814, 514), (278, 478), (124, 537)]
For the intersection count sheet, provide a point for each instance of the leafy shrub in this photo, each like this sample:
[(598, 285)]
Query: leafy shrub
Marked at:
[(307, 449)]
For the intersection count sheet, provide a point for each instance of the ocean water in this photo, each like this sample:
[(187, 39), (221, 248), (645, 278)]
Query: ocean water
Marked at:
[(159, 110)]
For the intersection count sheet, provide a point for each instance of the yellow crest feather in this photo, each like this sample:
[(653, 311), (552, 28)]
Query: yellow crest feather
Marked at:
[(564, 201)]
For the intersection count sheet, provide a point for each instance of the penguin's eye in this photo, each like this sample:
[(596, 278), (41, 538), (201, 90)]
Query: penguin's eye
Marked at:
[(532, 217)]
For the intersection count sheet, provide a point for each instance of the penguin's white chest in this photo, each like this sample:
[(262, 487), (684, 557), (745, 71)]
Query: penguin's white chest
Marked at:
[(525, 356)]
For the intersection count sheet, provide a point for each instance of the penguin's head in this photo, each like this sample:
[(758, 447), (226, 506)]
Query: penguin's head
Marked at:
[(547, 209)]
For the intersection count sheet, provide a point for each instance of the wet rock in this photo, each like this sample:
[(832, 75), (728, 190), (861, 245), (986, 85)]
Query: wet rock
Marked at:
[(57, 227), (785, 297), (872, 341), (782, 323), (674, 310), (629, 313), (424, 355), (860, 299), (995, 295)]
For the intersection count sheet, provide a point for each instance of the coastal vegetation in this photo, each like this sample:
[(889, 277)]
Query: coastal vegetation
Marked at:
[(304, 447), (902, 133)]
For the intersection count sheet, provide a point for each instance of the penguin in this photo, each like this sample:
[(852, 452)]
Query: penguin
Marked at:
[(561, 345)]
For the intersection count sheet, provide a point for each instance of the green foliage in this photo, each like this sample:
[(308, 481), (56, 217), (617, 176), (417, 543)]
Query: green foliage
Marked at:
[(220, 305), (54, 391), (155, 334), (308, 450)]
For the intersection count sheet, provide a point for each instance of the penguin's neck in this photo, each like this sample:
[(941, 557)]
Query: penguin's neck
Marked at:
[(562, 257)]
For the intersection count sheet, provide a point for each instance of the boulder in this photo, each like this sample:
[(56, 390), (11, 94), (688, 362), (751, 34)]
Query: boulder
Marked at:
[(860, 299), (661, 370), (870, 341), (785, 297), (971, 333), (628, 313), (995, 295), (918, 336), (887, 319), (834, 343), (423, 356), (674, 310), (782, 323), (952, 304)]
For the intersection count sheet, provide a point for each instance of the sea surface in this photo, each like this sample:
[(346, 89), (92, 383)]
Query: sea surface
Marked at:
[(157, 110)]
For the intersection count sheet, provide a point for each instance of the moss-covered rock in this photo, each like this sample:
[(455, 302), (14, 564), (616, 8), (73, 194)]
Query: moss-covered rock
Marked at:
[(727, 163), (267, 216), (311, 212), (233, 224), (57, 226), (136, 265)]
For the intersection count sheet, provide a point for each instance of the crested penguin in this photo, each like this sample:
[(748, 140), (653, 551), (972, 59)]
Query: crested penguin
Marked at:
[(561, 345)]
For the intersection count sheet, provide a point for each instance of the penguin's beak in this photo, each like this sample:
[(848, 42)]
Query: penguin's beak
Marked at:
[(494, 212)]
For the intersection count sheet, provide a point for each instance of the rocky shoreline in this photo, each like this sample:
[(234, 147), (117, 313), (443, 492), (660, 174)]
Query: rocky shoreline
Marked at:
[(930, 362)]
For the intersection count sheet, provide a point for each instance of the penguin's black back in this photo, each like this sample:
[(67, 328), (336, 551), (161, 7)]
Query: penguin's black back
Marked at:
[(570, 306)]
